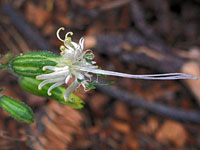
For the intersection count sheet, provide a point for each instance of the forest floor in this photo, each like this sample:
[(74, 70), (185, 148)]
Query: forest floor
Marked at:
[(130, 36)]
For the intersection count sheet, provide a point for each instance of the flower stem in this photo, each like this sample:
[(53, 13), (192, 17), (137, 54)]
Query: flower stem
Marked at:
[(3, 66)]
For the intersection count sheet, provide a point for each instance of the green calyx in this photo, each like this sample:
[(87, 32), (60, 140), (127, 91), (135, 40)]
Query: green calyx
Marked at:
[(17, 109), (31, 64), (31, 85)]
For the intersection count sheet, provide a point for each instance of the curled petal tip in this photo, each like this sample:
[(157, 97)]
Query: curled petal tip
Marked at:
[(62, 53), (71, 33), (44, 69), (57, 33), (49, 94), (62, 48), (61, 28)]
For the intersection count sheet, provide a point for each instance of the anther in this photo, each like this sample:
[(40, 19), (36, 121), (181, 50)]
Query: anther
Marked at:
[(62, 47), (44, 69)]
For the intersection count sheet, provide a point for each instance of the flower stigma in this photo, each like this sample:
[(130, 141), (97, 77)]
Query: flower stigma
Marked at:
[(77, 64)]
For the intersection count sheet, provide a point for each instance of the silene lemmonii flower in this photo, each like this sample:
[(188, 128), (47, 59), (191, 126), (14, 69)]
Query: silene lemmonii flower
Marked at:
[(77, 64)]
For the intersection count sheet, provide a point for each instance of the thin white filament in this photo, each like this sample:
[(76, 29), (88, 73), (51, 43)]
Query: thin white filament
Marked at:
[(167, 76), (57, 33)]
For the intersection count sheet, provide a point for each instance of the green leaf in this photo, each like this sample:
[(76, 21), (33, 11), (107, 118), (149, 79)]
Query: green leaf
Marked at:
[(90, 87), (17, 109), (1, 89), (102, 75), (80, 80), (88, 56), (3, 66), (108, 83), (88, 60), (31, 85)]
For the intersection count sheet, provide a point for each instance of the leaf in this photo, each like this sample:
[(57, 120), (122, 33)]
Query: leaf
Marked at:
[(90, 87), (109, 83), (17, 109), (88, 56), (88, 60), (80, 80), (1, 89)]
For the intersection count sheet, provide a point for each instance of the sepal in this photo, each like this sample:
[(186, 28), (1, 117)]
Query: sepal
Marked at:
[(17, 109), (31, 85), (31, 64)]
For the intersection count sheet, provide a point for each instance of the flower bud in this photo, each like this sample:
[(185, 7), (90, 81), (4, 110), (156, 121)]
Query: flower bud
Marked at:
[(31, 85), (31, 64), (16, 109)]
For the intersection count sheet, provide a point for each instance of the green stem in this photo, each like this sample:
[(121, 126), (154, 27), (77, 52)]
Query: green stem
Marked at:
[(4, 60), (3, 66)]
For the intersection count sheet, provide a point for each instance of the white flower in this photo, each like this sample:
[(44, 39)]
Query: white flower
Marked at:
[(77, 64)]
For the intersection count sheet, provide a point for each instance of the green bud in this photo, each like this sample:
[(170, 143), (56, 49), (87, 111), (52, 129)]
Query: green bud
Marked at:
[(31, 64), (31, 85), (17, 109)]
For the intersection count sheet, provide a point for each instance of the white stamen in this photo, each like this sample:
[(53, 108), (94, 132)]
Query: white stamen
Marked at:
[(168, 76), (57, 33)]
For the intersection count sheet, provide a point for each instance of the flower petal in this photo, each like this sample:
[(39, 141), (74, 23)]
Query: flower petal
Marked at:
[(43, 83), (62, 73), (67, 79), (81, 43), (71, 89), (54, 86)]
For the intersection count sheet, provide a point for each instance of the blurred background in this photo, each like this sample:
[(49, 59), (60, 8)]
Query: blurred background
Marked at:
[(130, 36)]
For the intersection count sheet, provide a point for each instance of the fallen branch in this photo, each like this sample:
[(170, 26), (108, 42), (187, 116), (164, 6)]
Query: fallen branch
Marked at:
[(159, 109), (32, 35)]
